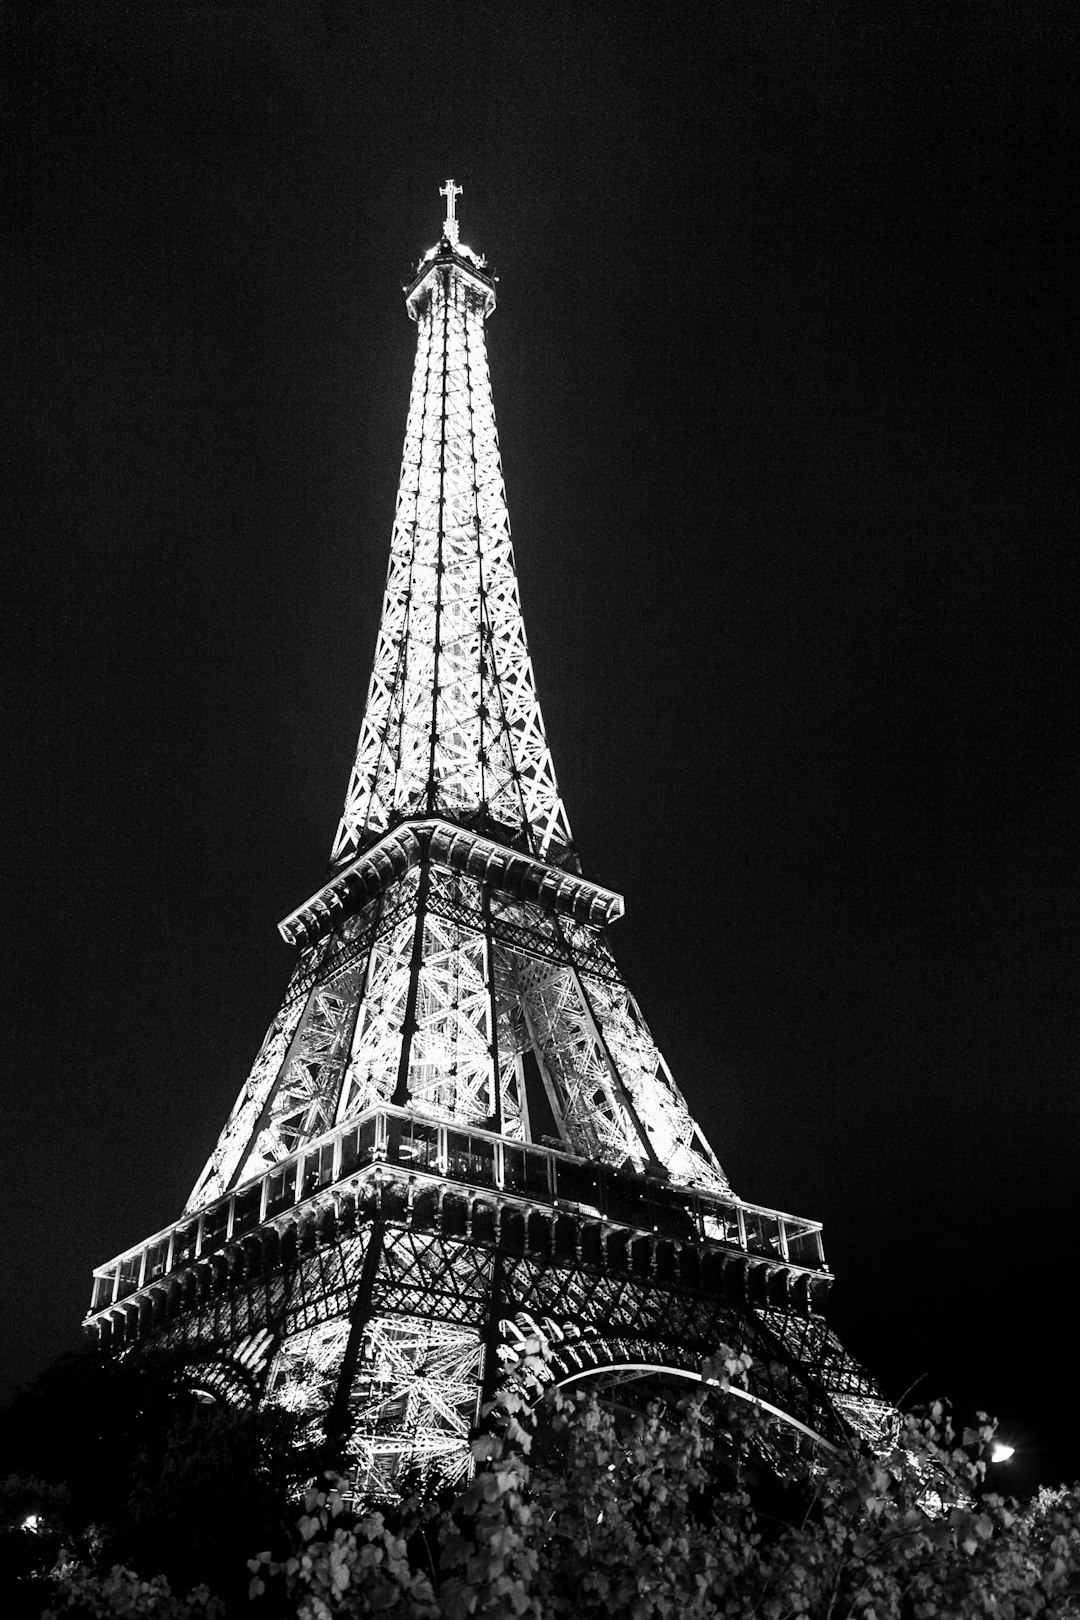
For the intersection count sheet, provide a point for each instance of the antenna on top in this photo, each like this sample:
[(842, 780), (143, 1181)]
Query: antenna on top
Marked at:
[(451, 191)]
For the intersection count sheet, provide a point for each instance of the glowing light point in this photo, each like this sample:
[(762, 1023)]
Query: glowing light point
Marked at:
[(451, 191), (1002, 1451)]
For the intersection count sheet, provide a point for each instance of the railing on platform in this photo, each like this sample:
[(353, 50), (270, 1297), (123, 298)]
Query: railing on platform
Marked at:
[(473, 1158)]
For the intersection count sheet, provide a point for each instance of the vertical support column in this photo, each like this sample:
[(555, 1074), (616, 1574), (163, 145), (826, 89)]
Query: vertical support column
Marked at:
[(493, 1013), (361, 997), (337, 1417), (320, 952), (432, 794), (400, 1098), (482, 630), (612, 1068)]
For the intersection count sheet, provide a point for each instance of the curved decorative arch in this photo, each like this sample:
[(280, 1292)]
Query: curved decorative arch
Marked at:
[(658, 1369)]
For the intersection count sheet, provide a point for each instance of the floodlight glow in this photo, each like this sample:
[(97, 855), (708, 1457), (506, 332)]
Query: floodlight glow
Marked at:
[(1001, 1452)]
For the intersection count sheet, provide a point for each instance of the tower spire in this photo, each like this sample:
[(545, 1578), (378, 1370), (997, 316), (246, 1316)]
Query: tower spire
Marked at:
[(452, 723)]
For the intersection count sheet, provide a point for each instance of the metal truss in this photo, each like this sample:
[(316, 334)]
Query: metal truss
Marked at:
[(385, 1297), (290, 1095), (433, 996), (459, 1119), (452, 722)]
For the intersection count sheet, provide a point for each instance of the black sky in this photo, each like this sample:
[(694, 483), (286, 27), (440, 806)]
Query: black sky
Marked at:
[(784, 368)]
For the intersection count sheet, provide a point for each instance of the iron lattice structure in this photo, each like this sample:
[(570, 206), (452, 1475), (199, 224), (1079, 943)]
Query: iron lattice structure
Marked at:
[(458, 1125)]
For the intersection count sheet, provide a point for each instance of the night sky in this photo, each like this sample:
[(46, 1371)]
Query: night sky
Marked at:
[(784, 370)]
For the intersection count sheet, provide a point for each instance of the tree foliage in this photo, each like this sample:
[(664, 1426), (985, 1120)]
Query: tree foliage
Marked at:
[(633, 1521), (578, 1509), (171, 1492)]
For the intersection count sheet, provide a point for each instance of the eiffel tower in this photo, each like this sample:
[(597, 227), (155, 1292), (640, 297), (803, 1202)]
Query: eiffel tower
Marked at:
[(458, 1129)]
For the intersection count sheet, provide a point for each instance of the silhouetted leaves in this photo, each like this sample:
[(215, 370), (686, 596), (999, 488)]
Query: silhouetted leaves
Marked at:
[(578, 1507)]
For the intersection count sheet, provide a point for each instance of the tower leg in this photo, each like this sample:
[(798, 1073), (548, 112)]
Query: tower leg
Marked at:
[(337, 1417)]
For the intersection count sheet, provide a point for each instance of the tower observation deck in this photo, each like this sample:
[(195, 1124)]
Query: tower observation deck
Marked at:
[(458, 1127)]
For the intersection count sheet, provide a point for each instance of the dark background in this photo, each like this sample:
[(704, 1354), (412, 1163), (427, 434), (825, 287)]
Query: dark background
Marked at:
[(783, 366)]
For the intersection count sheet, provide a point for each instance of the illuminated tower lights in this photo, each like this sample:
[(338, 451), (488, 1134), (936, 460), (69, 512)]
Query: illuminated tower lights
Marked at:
[(458, 1127)]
